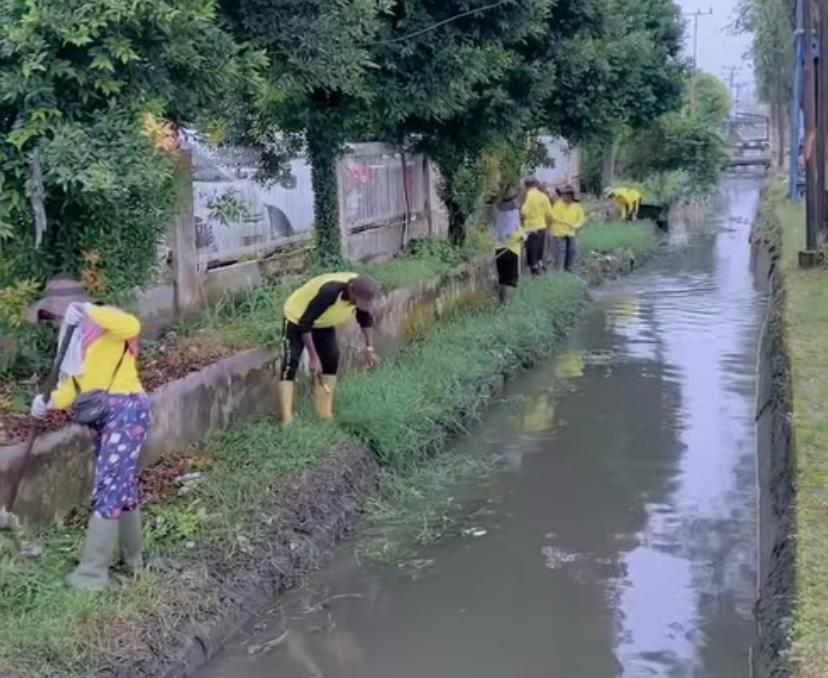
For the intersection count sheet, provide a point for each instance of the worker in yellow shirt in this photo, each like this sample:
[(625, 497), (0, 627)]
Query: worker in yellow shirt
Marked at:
[(536, 216), (311, 315), (509, 236), (627, 200), (567, 219), (99, 380)]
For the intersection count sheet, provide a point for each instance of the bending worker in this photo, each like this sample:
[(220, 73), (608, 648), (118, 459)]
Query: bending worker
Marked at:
[(101, 359), (509, 237), (536, 215), (311, 315), (567, 219), (627, 200)]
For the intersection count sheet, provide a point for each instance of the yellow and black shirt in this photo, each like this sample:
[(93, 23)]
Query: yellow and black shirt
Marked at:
[(323, 302)]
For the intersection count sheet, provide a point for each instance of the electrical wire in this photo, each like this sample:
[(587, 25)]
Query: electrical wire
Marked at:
[(444, 22)]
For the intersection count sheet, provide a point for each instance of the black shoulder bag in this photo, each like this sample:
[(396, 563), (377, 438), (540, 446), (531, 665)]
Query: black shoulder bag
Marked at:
[(91, 407)]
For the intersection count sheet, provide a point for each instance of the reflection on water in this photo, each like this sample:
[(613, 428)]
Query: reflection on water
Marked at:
[(618, 541)]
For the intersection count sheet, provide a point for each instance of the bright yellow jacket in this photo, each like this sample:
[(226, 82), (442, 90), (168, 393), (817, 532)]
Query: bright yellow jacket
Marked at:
[(101, 359), (567, 219), (628, 201), (536, 212), (321, 303)]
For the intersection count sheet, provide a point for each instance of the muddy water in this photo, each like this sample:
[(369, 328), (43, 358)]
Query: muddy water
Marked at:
[(619, 537)]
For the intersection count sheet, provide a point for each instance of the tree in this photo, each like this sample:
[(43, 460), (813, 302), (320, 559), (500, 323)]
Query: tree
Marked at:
[(319, 53), (771, 23), (452, 78), (618, 65), (709, 101), (677, 142), (76, 77)]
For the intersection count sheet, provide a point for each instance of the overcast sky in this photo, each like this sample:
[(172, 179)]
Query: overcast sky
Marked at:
[(717, 47)]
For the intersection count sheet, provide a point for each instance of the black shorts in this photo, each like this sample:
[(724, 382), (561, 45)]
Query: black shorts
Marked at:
[(508, 267), (327, 348)]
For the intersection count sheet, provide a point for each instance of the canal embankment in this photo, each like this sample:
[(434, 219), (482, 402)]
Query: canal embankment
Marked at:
[(246, 513), (793, 424)]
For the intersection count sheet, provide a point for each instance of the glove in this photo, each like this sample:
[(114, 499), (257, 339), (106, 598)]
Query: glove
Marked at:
[(75, 313), (40, 408)]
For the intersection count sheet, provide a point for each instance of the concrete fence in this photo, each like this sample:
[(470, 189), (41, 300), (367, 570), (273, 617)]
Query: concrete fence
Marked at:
[(234, 229)]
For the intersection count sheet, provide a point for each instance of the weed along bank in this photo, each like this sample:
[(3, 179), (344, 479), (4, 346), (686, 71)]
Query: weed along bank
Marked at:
[(237, 507)]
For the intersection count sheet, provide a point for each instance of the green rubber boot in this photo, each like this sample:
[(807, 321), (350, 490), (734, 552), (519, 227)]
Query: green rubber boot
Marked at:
[(98, 552), (132, 541)]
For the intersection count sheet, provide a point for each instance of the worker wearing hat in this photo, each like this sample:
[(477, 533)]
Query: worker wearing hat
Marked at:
[(567, 219), (311, 315), (101, 356), (509, 237)]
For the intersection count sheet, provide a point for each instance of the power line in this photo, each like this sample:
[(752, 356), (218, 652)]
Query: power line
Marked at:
[(444, 22)]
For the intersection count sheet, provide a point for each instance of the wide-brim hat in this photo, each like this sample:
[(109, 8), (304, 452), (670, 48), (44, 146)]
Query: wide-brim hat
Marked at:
[(61, 291), (568, 189)]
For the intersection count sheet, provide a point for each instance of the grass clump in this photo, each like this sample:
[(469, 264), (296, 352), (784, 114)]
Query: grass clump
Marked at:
[(606, 237), (806, 326), (404, 408)]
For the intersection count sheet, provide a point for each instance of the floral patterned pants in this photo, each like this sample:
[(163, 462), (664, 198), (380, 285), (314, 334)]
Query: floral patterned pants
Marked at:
[(119, 440)]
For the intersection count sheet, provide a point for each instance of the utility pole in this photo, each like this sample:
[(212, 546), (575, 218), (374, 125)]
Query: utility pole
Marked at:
[(696, 16), (796, 103), (731, 71), (813, 201)]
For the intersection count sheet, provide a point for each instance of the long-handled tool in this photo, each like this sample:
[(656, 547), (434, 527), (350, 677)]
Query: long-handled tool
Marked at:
[(9, 521)]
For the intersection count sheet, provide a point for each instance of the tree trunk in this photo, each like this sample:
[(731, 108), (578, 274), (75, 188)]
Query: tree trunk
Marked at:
[(326, 229), (608, 165), (457, 224)]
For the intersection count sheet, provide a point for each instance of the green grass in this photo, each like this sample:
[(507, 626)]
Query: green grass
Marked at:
[(404, 408), (806, 329), (606, 237)]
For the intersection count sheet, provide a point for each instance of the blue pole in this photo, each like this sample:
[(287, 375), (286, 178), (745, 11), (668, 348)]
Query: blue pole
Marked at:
[(796, 103)]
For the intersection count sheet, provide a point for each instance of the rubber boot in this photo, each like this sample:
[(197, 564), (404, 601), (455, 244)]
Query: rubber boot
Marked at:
[(286, 390), (98, 552), (132, 541), (323, 396), (508, 293), (501, 294)]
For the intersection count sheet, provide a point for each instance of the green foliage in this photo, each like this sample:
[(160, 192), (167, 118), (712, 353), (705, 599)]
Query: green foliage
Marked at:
[(771, 25), (709, 101), (617, 63), (76, 77), (677, 142)]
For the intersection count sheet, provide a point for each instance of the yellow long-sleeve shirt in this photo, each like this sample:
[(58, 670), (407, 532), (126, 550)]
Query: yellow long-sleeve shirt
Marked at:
[(536, 212), (628, 201), (102, 357), (513, 241), (567, 219)]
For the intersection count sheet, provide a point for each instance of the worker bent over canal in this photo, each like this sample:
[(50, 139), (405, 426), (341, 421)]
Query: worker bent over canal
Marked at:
[(311, 315)]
